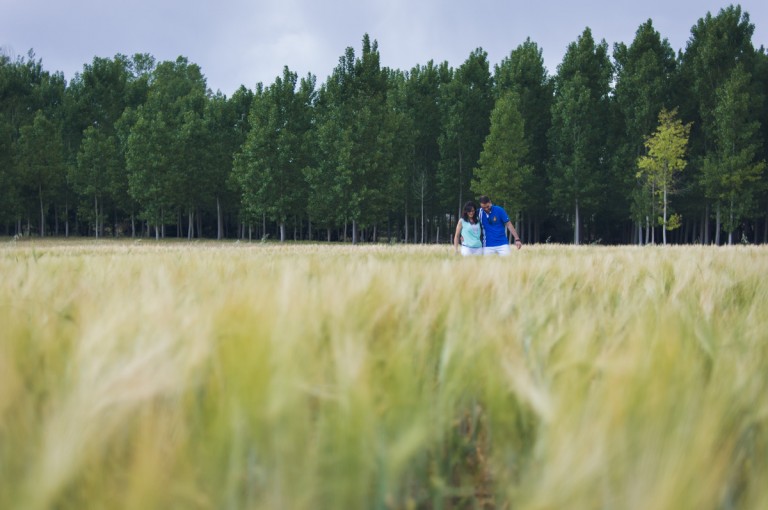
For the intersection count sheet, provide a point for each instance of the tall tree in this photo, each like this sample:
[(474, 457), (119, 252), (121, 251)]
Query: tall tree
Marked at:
[(27, 92), (95, 100), (351, 174), (467, 102), (524, 73), (10, 206), (142, 68), (644, 81), (761, 82), (731, 173), (96, 174), (40, 158), (717, 44), (423, 93), (665, 158), (399, 139), (228, 125), (269, 169), (503, 169), (166, 150), (578, 134)]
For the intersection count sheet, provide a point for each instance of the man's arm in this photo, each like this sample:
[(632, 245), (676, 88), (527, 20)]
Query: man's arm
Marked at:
[(512, 231)]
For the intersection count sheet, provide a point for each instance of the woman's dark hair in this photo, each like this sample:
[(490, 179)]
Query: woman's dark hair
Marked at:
[(470, 206)]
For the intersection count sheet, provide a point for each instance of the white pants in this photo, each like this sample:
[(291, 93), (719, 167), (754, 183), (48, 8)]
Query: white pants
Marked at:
[(468, 252), (502, 250)]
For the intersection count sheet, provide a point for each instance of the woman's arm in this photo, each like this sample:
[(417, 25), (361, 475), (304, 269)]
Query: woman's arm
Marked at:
[(456, 237)]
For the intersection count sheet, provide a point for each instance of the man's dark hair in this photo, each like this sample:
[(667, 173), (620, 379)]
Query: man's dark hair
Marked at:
[(484, 199)]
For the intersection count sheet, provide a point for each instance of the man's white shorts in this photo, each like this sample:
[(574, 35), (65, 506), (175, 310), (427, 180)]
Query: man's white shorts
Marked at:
[(502, 250), (468, 252)]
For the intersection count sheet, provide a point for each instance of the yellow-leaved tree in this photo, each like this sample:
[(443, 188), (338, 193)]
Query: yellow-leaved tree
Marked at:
[(665, 158)]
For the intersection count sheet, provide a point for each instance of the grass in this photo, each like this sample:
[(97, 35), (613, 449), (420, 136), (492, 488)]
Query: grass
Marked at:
[(237, 375)]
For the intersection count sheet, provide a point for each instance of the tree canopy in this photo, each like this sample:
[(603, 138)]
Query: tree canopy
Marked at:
[(589, 154)]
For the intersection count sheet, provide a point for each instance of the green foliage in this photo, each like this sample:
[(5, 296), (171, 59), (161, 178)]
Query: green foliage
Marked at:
[(666, 157), (731, 174), (355, 137), (166, 150), (467, 101), (577, 138), (524, 73), (40, 161), (502, 170), (666, 150), (269, 167), (717, 45), (645, 73), (98, 173), (423, 91), (10, 206), (376, 146)]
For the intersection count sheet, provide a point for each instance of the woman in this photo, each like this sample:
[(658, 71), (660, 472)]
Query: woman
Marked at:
[(469, 232)]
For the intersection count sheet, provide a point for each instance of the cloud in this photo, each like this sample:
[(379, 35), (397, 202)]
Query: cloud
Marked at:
[(249, 41)]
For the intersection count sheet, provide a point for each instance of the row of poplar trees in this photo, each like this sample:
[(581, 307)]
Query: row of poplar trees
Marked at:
[(636, 145)]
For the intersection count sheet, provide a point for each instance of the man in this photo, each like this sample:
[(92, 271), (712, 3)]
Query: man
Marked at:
[(495, 224)]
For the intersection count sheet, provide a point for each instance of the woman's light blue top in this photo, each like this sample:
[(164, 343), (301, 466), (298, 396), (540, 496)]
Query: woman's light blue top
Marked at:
[(471, 234)]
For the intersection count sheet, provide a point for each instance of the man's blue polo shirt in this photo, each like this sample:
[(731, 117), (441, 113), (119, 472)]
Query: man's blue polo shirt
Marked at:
[(493, 226)]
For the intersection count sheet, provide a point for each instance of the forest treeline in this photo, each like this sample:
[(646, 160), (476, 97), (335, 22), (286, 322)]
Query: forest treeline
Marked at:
[(135, 147)]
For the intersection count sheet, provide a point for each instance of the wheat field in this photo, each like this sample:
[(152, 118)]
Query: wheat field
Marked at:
[(142, 375)]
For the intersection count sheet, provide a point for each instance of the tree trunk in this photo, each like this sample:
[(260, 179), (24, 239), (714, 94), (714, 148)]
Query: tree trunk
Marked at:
[(190, 225), (96, 216), (647, 229), (730, 224), (529, 231), (219, 220), (765, 228), (576, 224), (705, 226), (42, 212), (328, 232), (461, 174), (664, 223), (282, 231), (354, 232), (717, 226)]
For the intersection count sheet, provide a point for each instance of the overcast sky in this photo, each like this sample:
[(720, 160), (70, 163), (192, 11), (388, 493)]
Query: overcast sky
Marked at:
[(249, 41)]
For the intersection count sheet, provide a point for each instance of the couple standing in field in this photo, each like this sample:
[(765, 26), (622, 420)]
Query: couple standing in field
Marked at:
[(486, 235)]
